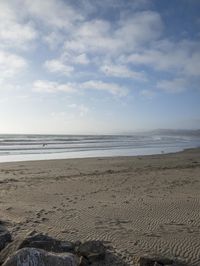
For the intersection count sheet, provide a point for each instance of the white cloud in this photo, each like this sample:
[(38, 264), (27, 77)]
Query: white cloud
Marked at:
[(141, 28), (53, 13), (72, 105), (90, 36), (52, 87), (64, 64), (53, 39), (173, 86), (82, 34), (89, 43), (112, 88), (103, 41), (81, 109), (121, 71), (11, 64), (15, 31), (192, 65), (74, 58), (100, 36), (57, 66), (81, 59), (181, 57)]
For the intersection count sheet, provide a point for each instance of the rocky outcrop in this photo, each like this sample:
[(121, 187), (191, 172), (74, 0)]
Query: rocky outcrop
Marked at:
[(36, 241), (42, 250), (87, 252), (47, 243), (39, 257), (5, 236), (91, 251), (10, 249), (154, 260)]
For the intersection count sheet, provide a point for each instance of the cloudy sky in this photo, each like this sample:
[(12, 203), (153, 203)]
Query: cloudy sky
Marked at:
[(90, 66)]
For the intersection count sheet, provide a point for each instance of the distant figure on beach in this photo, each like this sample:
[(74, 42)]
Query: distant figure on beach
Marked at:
[(43, 145)]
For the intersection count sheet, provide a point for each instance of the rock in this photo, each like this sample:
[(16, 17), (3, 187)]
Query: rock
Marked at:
[(83, 261), (92, 250), (157, 264), (39, 257), (5, 237), (154, 261), (9, 249), (47, 243), (36, 241), (77, 243)]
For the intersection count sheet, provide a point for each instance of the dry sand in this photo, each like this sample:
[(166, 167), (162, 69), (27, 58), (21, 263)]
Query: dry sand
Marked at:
[(145, 204)]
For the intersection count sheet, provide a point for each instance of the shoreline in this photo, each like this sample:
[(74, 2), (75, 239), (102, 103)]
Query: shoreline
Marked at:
[(137, 204), (92, 154)]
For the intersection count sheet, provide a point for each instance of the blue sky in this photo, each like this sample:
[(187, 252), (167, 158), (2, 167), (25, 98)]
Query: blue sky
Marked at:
[(99, 66)]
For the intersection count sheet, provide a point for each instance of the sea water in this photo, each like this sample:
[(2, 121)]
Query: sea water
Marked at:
[(40, 147)]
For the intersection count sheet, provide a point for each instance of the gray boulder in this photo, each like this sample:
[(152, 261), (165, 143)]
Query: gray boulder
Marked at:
[(92, 250), (149, 260), (5, 237), (39, 257), (36, 241), (9, 250), (47, 243)]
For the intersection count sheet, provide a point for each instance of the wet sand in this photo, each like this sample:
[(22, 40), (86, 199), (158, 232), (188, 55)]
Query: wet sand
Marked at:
[(138, 205)]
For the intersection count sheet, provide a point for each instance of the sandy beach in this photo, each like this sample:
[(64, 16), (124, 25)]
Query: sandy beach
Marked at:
[(137, 205)]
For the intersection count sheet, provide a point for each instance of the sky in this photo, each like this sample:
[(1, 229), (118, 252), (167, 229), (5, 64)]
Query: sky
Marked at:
[(99, 67)]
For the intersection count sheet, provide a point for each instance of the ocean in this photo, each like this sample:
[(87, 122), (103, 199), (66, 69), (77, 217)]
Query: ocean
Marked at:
[(41, 147)]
